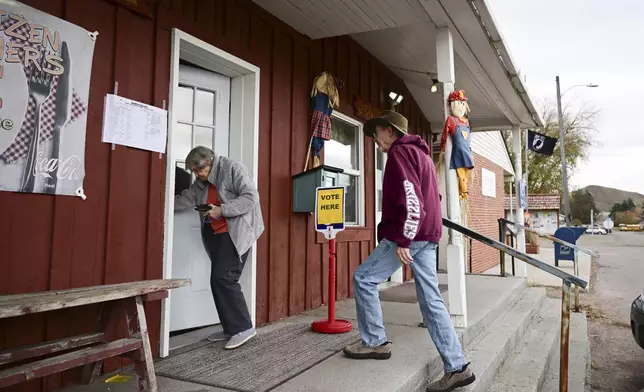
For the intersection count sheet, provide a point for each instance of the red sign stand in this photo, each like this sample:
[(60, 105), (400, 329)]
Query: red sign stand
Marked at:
[(331, 325)]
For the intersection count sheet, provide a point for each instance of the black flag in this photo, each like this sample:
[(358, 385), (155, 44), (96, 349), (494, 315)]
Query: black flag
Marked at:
[(541, 143)]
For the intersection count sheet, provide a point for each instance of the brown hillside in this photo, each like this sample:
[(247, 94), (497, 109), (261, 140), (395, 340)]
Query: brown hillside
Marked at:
[(605, 197)]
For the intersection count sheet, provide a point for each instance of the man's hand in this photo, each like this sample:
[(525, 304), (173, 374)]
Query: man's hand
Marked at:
[(404, 256), (214, 212)]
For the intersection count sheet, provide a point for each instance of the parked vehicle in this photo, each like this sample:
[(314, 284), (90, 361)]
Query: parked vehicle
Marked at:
[(596, 230), (637, 320), (631, 227)]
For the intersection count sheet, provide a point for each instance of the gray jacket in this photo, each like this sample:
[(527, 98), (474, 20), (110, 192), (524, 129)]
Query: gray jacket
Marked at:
[(239, 201)]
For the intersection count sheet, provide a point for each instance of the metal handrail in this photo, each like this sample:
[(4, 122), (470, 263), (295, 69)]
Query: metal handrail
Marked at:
[(541, 234), (593, 255), (567, 279)]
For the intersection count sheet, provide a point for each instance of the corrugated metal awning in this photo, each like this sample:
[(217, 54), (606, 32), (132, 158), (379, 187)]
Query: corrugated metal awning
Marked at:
[(401, 34)]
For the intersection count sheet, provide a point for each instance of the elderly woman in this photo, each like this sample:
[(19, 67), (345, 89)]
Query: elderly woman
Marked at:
[(228, 230)]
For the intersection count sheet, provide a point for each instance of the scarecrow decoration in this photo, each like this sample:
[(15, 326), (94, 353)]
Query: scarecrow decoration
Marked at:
[(324, 98), (458, 127)]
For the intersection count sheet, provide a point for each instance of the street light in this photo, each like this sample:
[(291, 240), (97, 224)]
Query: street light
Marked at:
[(564, 166)]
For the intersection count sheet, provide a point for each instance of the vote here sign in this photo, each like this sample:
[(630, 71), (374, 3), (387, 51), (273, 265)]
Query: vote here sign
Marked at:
[(329, 209)]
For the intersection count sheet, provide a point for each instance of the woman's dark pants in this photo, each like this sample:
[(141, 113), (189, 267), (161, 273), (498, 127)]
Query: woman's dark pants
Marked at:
[(226, 269)]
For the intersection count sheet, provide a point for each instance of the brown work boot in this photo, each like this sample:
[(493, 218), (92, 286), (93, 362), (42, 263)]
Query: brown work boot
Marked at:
[(360, 351), (451, 381)]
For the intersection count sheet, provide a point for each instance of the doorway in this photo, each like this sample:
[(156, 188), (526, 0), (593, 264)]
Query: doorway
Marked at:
[(214, 101), (202, 119), (381, 162)]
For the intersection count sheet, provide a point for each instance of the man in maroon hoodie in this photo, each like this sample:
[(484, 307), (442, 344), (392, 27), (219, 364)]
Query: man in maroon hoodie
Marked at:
[(408, 234)]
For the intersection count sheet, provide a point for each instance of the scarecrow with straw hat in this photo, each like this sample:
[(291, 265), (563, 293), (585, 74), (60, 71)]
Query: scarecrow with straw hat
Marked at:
[(324, 98)]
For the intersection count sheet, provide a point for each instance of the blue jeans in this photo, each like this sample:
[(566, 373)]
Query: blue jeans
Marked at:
[(380, 265)]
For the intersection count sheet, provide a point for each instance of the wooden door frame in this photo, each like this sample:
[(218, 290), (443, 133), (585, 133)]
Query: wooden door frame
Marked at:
[(243, 145)]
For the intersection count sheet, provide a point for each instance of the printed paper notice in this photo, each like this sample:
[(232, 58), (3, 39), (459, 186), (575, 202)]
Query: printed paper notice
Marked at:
[(488, 183), (134, 124)]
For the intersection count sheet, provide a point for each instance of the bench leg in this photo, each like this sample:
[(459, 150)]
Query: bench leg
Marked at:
[(107, 320), (145, 368), (91, 371)]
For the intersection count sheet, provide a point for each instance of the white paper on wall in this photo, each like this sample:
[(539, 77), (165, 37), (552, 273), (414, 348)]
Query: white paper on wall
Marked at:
[(488, 183), (134, 124)]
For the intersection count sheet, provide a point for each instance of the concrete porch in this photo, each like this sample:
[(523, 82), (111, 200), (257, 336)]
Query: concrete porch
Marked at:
[(414, 351), (501, 311)]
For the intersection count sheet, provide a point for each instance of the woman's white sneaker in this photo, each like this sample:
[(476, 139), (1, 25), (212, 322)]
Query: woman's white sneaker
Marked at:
[(240, 338)]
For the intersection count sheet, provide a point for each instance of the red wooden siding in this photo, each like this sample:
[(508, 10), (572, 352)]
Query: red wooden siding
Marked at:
[(116, 235)]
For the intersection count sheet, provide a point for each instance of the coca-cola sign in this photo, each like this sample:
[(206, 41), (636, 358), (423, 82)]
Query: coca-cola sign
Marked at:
[(44, 89)]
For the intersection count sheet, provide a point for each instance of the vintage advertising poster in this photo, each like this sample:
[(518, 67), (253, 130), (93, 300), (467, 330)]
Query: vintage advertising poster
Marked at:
[(45, 69)]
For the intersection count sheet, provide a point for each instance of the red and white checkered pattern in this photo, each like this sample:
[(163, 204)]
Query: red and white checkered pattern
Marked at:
[(18, 149), (321, 125)]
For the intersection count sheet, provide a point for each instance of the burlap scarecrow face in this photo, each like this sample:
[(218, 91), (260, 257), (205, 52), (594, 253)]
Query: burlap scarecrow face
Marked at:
[(458, 103)]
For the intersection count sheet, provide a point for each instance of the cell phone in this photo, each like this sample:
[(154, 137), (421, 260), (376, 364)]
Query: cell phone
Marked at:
[(202, 207)]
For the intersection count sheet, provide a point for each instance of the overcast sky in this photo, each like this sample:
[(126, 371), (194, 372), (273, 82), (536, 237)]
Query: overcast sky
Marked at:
[(586, 41)]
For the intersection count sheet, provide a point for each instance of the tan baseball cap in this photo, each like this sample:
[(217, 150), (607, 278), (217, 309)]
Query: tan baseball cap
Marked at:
[(386, 118)]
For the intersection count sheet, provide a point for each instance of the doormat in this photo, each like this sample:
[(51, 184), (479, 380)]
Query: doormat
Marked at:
[(405, 293), (277, 354)]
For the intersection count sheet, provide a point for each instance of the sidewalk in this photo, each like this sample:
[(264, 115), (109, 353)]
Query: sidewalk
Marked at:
[(287, 356)]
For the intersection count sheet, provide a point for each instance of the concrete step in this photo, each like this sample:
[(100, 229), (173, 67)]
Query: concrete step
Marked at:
[(490, 351), (525, 367), (578, 358), (415, 359)]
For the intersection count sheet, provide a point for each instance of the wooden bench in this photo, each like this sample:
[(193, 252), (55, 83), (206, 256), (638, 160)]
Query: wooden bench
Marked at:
[(121, 305)]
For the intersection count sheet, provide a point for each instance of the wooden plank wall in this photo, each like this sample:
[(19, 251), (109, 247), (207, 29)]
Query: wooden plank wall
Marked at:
[(292, 258), (116, 235)]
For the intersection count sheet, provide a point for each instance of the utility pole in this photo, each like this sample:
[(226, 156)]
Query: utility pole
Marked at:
[(564, 166)]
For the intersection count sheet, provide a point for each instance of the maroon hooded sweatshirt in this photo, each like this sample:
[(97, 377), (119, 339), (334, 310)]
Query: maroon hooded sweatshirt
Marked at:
[(411, 207)]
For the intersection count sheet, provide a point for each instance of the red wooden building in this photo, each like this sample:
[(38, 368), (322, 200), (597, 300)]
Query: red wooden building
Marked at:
[(236, 77)]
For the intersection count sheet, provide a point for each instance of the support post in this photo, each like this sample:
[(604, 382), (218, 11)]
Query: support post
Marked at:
[(576, 268), (565, 335), (331, 324), (455, 252), (562, 148), (511, 204), (522, 268), (527, 171), (332, 286), (502, 239)]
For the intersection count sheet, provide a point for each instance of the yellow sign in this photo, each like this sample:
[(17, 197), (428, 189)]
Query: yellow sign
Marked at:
[(329, 208)]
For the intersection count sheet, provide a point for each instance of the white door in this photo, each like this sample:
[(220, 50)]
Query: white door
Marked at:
[(381, 162), (202, 112)]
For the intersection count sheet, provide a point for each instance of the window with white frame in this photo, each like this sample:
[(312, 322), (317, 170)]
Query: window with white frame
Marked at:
[(345, 150)]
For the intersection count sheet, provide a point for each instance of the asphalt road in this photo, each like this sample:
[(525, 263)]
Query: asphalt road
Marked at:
[(617, 361)]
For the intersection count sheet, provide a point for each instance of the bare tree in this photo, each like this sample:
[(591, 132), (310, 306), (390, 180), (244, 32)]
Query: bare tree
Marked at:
[(545, 175)]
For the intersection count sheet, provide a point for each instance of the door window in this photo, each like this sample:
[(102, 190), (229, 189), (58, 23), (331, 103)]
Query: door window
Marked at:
[(345, 151), (195, 119)]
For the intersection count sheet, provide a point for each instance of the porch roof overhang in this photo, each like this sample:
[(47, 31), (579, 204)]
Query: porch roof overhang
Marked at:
[(402, 35)]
